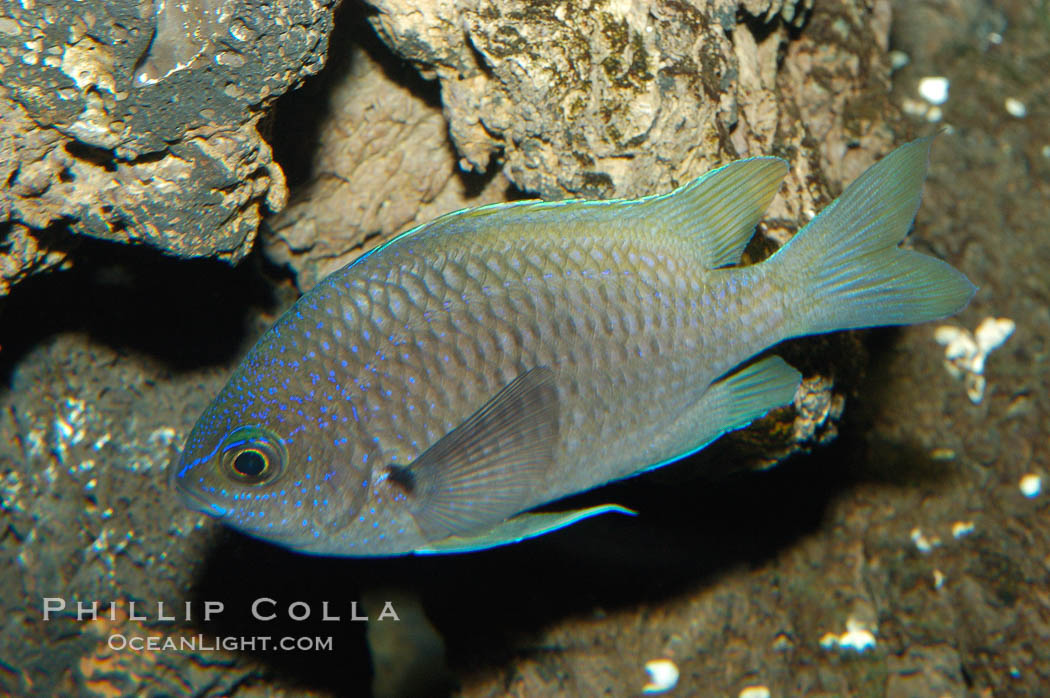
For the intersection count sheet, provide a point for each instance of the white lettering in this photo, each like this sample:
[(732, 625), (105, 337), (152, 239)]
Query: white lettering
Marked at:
[(53, 605), (305, 613), (255, 609), (212, 607), (84, 610), (324, 612), (353, 612), (160, 612), (388, 612)]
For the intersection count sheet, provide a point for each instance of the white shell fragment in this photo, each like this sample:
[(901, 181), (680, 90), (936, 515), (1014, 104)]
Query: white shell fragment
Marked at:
[(958, 344), (857, 638), (914, 107), (1031, 485), (754, 692), (965, 353), (1015, 107), (923, 110), (934, 89), (663, 676), (990, 335), (962, 528), (922, 543)]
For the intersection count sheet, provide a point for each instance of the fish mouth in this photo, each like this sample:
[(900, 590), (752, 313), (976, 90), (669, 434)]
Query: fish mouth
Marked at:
[(196, 501)]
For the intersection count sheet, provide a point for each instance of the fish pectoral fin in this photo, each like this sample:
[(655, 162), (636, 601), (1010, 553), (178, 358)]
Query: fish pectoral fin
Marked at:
[(744, 396), (721, 209), (517, 529), (484, 470)]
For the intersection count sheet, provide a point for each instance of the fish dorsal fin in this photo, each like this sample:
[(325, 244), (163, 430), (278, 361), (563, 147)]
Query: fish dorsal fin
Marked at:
[(720, 209), (517, 529), (718, 212), (484, 470)]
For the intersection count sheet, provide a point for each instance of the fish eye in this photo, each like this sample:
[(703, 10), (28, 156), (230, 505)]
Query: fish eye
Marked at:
[(253, 455)]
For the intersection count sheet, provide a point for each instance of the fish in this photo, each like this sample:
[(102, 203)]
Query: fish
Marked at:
[(431, 395)]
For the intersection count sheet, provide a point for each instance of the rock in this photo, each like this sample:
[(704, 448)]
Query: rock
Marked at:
[(627, 100), (141, 126), (617, 101), (382, 163), (926, 671)]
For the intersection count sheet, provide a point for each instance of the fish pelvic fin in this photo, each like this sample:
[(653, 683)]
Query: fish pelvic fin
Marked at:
[(846, 267), (719, 210), (483, 471)]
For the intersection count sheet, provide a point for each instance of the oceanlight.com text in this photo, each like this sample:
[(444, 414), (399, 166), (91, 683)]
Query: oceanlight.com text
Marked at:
[(230, 643)]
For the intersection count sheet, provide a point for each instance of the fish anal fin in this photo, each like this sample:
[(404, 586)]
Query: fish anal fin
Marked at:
[(742, 397), (517, 529), (730, 403)]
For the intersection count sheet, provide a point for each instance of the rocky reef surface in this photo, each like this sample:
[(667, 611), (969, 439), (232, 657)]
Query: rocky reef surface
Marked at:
[(139, 123)]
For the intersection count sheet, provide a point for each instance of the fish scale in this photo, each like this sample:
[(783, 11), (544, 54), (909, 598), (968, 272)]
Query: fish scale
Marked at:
[(427, 396)]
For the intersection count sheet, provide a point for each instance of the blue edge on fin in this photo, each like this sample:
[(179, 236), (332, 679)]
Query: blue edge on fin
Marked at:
[(518, 528)]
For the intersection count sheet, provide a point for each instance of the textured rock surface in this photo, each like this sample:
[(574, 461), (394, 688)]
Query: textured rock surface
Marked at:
[(138, 123), (382, 162), (625, 99), (609, 99)]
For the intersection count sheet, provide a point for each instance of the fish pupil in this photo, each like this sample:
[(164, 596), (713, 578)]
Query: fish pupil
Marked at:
[(249, 463)]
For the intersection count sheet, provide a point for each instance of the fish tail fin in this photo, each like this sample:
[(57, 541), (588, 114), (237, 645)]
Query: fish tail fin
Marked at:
[(847, 264)]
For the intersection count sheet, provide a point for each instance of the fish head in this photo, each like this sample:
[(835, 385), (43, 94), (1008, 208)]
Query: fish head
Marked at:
[(274, 474)]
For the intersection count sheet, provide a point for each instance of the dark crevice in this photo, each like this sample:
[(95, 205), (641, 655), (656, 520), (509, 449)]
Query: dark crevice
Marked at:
[(184, 313), (106, 159), (479, 59), (759, 27)]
